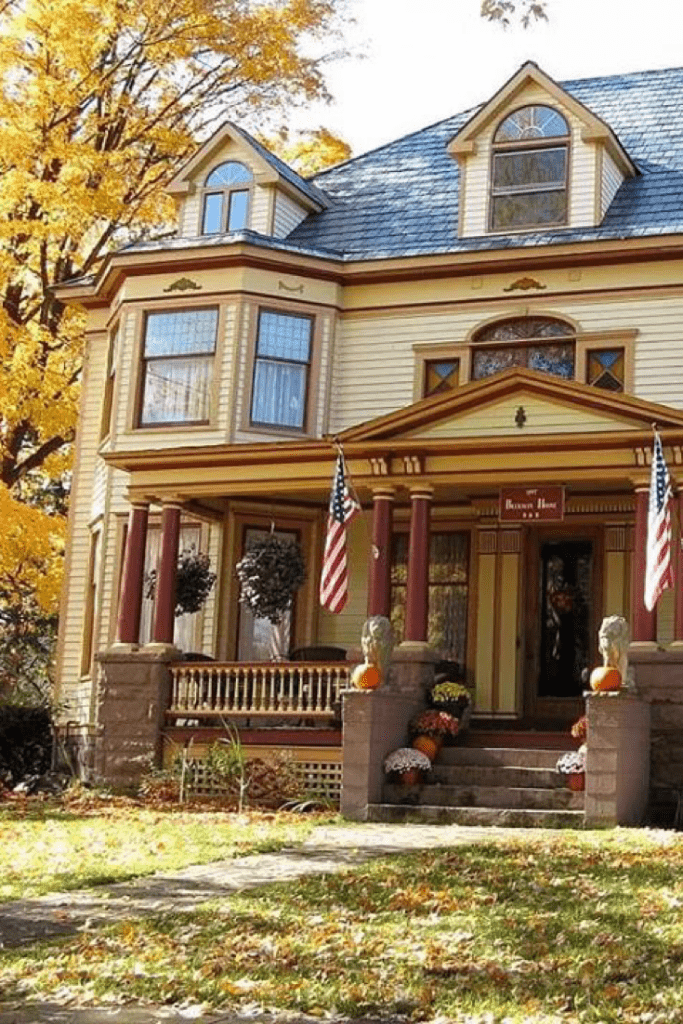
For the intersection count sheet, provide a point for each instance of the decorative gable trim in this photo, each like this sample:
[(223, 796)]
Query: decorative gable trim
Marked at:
[(265, 172), (595, 130), (429, 411)]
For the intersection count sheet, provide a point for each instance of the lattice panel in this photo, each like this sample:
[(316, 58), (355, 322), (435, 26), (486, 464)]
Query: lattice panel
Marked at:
[(321, 779)]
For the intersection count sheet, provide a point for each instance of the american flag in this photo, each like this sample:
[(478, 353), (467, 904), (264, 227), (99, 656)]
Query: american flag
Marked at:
[(658, 574), (334, 581)]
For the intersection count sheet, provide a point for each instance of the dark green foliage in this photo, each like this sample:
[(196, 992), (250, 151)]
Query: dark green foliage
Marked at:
[(25, 741), (270, 573), (194, 581)]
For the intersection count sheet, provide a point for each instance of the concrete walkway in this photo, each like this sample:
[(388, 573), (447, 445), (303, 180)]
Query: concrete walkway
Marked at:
[(328, 849)]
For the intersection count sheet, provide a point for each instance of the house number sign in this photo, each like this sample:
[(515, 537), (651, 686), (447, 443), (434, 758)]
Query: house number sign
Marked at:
[(529, 504)]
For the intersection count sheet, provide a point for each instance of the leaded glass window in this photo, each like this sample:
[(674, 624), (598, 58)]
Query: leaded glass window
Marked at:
[(605, 369), (529, 171), (178, 355), (538, 343), (283, 353), (448, 592), (441, 375), (226, 198)]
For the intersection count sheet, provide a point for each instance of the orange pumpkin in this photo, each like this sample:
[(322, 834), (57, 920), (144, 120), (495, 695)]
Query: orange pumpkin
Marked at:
[(605, 677), (429, 745), (366, 677)]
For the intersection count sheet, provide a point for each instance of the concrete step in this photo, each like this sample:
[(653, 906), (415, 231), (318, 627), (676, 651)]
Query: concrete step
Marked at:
[(512, 797), (502, 817), (500, 775), (515, 757)]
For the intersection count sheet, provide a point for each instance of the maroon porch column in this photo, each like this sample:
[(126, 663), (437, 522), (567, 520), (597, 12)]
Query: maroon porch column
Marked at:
[(417, 595), (130, 602), (677, 560), (379, 575), (644, 625), (164, 617)]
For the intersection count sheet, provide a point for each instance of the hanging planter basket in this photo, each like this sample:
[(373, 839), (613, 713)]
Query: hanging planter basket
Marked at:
[(270, 573), (194, 581)]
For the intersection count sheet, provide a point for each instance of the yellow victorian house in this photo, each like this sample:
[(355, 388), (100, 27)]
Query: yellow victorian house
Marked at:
[(487, 316)]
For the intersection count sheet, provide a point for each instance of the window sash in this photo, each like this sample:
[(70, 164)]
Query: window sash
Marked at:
[(212, 221), (178, 359), (529, 170), (237, 211), (281, 370)]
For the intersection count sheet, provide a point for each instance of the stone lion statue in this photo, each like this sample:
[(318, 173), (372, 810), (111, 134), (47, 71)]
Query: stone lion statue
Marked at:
[(613, 641), (377, 643)]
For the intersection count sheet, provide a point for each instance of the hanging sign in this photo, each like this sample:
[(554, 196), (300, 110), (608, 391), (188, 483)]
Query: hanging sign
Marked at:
[(531, 504)]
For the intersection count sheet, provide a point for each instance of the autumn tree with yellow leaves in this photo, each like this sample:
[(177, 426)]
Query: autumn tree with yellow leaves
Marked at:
[(99, 105)]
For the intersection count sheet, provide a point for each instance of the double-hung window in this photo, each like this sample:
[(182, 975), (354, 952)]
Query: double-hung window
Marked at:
[(281, 370), (178, 357), (529, 170)]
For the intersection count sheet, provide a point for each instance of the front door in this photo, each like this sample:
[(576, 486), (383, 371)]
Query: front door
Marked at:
[(561, 632)]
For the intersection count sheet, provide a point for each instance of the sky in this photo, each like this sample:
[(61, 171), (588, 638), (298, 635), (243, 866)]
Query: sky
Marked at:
[(425, 60)]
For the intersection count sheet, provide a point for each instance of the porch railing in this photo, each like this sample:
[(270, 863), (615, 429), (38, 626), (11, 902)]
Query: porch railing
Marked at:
[(257, 690)]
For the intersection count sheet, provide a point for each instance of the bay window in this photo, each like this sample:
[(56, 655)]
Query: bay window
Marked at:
[(178, 357)]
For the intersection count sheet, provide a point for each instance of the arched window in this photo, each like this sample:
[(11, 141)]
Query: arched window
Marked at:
[(529, 170), (539, 343), (226, 198)]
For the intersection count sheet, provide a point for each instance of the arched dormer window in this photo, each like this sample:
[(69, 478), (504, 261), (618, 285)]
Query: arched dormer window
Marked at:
[(539, 343), (529, 170), (226, 198)]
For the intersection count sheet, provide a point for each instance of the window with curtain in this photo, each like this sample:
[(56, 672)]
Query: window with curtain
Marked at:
[(539, 343), (226, 198), (185, 626), (281, 369), (448, 592), (529, 170), (178, 357)]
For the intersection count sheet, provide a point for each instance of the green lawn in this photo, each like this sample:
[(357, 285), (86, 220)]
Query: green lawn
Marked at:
[(564, 928), (45, 847)]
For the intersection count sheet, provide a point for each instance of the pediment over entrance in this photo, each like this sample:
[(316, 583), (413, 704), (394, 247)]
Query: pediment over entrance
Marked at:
[(516, 403)]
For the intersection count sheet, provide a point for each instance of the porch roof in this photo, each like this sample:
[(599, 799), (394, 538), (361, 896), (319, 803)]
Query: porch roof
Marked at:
[(464, 443)]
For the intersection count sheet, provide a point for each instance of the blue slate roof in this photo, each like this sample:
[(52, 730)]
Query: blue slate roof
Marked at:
[(402, 199)]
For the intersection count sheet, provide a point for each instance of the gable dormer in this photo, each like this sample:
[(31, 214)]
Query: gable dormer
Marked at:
[(233, 183), (534, 158)]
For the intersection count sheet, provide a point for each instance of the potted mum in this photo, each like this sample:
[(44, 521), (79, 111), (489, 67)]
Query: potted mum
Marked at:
[(447, 695), (573, 766), (431, 728), (406, 766)]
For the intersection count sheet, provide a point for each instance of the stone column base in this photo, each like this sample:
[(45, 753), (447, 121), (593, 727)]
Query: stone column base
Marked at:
[(132, 697), (618, 761), (376, 722)]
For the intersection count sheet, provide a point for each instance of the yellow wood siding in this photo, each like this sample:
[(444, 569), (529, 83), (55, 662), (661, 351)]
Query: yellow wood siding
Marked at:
[(73, 691), (344, 630), (583, 168), (611, 180), (287, 214), (375, 357), (542, 417)]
